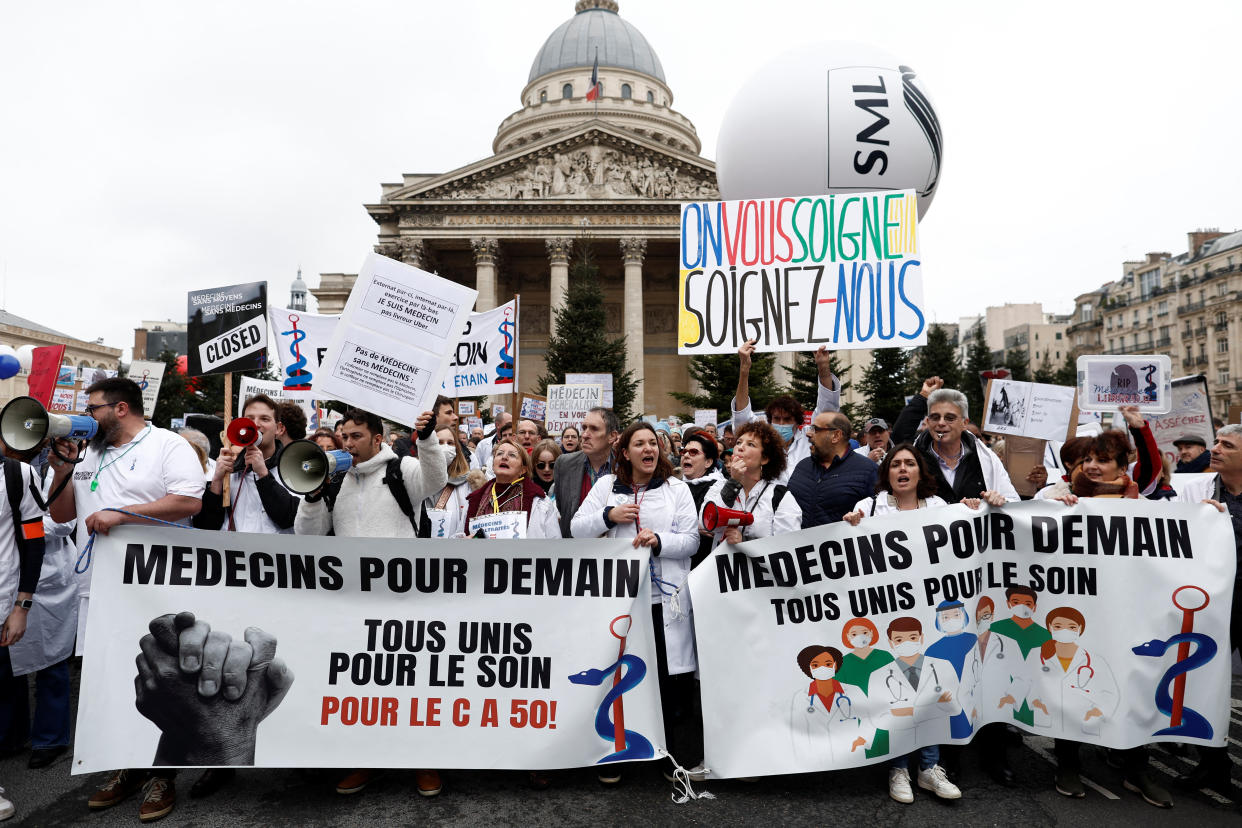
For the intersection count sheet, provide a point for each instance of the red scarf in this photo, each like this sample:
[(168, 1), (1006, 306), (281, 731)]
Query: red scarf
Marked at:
[(480, 500)]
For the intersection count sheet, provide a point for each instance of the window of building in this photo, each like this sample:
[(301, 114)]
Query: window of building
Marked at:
[(1222, 317), (1058, 334), (1222, 376), (1163, 307), (1078, 339), (567, 91), (1221, 287), (1222, 346), (650, 97), (1149, 281), (543, 96), (626, 91), (1202, 296)]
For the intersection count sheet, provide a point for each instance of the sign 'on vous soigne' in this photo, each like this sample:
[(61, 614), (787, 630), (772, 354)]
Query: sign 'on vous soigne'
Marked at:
[(796, 273)]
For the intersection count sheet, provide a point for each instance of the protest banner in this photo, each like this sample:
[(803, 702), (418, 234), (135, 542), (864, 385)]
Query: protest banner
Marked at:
[(67, 375), (1135, 593), (1190, 413), (247, 387), (593, 379), (568, 405), (532, 407), (1030, 409), (465, 408), (485, 359), (485, 673), (300, 339), (392, 346), (1106, 382), (63, 400), (704, 417), (149, 375), (226, 329), (796, 273), (44, 368)]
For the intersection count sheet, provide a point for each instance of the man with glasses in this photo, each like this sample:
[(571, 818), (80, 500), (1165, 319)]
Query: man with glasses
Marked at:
[(833, 478), (146, 471), (962, 465)]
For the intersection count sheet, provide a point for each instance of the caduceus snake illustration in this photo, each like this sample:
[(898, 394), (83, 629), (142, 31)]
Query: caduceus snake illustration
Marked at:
[(629, 744)]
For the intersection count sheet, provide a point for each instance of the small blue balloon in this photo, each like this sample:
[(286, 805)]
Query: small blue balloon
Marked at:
[(9, 366)]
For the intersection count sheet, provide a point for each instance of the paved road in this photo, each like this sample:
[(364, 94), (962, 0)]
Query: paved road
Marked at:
[(52, 797)]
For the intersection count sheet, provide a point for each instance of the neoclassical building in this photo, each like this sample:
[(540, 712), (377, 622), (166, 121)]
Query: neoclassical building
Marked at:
[(566, 171)]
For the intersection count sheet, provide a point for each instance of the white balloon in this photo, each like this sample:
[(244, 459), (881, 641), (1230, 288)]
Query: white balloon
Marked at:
[(7, 350), (25, 356), (834, 117)]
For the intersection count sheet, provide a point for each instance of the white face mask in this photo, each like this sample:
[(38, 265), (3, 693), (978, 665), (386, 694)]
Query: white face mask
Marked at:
[(1022, 611), (1064, 636), (907, 648), (860, 640), (984, 625), (822, 673), (952, 625)]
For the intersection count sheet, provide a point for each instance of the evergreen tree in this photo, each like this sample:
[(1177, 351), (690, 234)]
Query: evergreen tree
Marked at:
[(1067, 373), (978, 360), (938, 358), (581, 344), (804, 382), (716, 375), (886, 382), (1045, 372), (1018, 363), (180, 395)]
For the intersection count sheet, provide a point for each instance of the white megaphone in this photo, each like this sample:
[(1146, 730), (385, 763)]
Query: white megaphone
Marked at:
[(24, 423), (304, 467)]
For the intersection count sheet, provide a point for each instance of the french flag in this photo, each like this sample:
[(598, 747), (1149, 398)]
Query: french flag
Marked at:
[(597, 88)]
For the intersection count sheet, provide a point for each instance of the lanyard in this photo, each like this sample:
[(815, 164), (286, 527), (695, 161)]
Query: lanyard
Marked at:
[(496, 504), (104, 453), (639, 493)]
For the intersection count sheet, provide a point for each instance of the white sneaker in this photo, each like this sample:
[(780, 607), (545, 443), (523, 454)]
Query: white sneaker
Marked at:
[(698, 773), (6, 808), (899, 785), (934, 779)]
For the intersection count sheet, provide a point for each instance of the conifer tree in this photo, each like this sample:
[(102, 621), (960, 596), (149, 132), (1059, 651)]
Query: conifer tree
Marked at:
[(938, 358), (1045, 372), (886, 383), (1018, 363), (804, 382), (717, 374), (978, 360)]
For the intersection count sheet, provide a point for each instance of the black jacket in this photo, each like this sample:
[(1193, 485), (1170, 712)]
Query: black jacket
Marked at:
[(280, 504)]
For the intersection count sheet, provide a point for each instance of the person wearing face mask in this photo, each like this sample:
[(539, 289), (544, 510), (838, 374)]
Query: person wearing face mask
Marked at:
[(953, 646), (857, 665), (826, 723), (442, 511), (784, 412), (917, 696), (1021, 634)]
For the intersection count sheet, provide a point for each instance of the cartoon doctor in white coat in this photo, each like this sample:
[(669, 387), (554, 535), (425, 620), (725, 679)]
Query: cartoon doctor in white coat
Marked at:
[(826, 724), (1071, 689), (993, 675), (917, 693)]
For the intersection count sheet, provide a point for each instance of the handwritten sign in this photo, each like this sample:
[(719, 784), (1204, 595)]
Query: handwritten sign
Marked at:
[(592, 379), (1190, 414), (568, 405), (704, 417), (796, 273), (532, 407), (1028, 409)]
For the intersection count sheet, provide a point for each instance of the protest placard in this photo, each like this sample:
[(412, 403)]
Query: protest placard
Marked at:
[(796, 273), (63, 400), (465, 408), (45, 364), (149, 375), (1106, 382), (704, 417), (392, 346), (300, 339), (486, 673), (226, 329), (67, 375), (532, 407), (485, 358), (593, 379), (1030, 409), (497, 410), (569, 404), (249, 386), (847, 591), (1190, 414)]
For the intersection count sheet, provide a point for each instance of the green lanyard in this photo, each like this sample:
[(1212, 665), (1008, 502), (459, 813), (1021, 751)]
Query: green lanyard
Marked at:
[(104, 453)]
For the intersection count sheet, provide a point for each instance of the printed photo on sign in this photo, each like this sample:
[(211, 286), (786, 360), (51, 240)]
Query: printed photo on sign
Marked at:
[(226, 329), (68, 375), (1028, 409), (797, 273), (1106, 382)]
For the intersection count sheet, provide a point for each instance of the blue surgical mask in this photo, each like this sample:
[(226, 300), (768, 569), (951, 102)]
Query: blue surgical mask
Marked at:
[(786, 432)]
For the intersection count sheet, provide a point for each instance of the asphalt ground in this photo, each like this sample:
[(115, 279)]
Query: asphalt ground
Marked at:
[(51, 797)]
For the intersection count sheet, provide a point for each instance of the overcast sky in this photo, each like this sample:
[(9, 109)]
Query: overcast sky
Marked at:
[(150, 148)]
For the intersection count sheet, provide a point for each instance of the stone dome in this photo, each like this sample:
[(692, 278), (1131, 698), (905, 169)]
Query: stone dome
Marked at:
[(596, 26)]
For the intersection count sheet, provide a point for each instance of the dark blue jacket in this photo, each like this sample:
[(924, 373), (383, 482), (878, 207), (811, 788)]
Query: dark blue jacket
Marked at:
[(826, 494)]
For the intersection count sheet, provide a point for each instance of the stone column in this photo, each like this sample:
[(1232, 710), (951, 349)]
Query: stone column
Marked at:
[(413, 252), (558, 257), (632, 253), (784, 365), (485, 250)]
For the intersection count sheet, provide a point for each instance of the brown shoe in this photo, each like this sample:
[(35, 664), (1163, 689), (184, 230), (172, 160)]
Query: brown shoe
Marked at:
[(118, 787), (160, 797), (428, 782), (356, 781)]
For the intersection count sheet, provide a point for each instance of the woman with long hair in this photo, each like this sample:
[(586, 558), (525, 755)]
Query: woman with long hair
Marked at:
[(642, 500), (544, 457), (442, 512)]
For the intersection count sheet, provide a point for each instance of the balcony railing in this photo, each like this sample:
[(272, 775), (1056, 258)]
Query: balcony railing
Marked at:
[(1201, 360), (1190, 307), (1164, 342), (1201, 330), (1221, 326)]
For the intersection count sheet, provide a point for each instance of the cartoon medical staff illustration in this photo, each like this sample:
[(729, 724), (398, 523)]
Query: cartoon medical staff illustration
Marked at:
[(954, 646), (1071, 689), (1024, 635), (993, 675), (825, 723), (860, 636), (918, 693)]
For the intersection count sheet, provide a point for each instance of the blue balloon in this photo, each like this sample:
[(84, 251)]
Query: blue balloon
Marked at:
[(9, 366)]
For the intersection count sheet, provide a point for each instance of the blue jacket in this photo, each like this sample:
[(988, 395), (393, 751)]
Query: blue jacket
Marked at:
[(826, 494)]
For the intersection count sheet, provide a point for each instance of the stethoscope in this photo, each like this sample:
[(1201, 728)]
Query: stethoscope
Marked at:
[(896, 694), (1080, 684), (845, 715)]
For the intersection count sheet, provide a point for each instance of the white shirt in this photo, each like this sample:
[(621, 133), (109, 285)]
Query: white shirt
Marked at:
[(248, 512), (156, 463), (10, 558)]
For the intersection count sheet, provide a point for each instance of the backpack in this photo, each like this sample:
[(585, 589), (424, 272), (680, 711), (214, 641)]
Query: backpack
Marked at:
[(13, 484), (395, 484)]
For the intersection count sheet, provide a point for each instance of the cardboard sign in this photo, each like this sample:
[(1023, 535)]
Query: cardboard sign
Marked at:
[(532, 407), (300, 340), (1029, 409), (796, 273), (149, 375), (44, 370), (1107, 382), (392, 347), (1190, 414), (593, 379), (63, 400), (226, 329), (485, 358), (497, 410), (568, 405), (465, 408), (704, 417)]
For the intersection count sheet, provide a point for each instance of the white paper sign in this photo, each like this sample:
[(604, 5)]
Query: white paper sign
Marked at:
[(1029, 409), (593, 379), (1190, 413), (465, 408), (500, 525), (247, 387), (568, 405), (391, 349), (148, 375), (704, 417)]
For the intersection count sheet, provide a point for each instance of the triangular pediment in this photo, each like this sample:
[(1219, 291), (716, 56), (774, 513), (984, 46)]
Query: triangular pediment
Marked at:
[(594, 162)]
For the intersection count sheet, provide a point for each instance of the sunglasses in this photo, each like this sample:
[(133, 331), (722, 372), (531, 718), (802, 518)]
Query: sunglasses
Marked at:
[(544, 465)]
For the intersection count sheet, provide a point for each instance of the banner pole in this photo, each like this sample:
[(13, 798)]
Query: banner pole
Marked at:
[(517, 333), (224, 435)]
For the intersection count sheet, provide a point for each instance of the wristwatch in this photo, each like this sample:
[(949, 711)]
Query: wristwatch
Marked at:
[(25, 603)]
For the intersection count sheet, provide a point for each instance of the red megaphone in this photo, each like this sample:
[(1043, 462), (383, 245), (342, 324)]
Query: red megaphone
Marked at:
[(242, 432), (714, 516)]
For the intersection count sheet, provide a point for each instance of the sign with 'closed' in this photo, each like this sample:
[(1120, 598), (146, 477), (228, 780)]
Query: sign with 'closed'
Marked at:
[(226, 329)]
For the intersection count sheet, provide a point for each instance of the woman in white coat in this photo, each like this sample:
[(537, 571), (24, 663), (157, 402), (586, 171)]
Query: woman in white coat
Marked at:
[(826, 725), (1070, 690), (643, 501), (757, 464)]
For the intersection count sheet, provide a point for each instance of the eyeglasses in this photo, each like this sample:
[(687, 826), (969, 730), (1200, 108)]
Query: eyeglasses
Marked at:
[(90, 409), (544, 465), (818, 429)]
